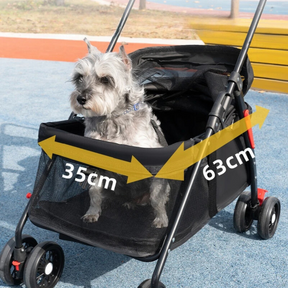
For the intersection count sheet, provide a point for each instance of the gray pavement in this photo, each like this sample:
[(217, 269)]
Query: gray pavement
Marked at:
[(38, 91)]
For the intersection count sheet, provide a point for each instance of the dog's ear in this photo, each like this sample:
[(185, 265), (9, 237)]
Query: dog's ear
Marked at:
[(126, 60), (91, 49)]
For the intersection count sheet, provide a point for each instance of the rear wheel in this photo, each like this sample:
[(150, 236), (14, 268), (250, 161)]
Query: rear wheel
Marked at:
[(269, 217), (243, 216), (44, 266), (8, 271)]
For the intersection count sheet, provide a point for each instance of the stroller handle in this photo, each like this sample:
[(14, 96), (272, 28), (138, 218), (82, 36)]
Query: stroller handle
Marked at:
[(120, 26), (244, 51), (250, 35)]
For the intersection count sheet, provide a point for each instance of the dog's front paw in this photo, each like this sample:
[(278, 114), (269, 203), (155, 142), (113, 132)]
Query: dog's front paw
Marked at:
[(160, 222), (90, 218), (129, 205)]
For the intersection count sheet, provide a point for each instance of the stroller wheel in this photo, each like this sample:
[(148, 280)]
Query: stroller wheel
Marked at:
[(7, 269), (268, 217), (147, 284), (243, 216), (44, 265)]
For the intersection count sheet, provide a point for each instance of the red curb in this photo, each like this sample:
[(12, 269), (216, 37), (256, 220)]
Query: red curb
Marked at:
[(54, 49)]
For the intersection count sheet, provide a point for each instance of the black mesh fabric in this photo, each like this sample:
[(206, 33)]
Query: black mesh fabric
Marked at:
[(181, 85), (61, 203)]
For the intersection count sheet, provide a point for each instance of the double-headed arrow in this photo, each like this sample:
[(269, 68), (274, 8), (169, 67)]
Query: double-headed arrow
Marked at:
[(173, 168), (182, 159), (134, 170)]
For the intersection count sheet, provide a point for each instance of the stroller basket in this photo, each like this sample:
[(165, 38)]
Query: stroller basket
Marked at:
[(181, 84)]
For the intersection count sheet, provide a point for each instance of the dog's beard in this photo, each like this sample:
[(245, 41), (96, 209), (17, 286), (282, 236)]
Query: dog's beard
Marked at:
[(98, 103), (101, 105)]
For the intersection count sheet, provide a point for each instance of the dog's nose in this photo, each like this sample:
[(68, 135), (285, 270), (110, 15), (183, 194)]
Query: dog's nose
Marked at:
[(81, 100)]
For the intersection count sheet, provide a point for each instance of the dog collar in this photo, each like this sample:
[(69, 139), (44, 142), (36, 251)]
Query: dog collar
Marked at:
[(135, 107)]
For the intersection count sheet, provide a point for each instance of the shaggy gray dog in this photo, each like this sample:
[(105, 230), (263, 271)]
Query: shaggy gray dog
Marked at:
[(112, 102)]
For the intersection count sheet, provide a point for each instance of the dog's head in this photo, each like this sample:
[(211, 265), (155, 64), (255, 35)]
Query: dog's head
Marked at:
[(102, 82)]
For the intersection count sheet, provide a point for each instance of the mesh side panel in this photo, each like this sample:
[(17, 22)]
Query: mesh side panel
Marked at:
[(60, 203), (56, 188)]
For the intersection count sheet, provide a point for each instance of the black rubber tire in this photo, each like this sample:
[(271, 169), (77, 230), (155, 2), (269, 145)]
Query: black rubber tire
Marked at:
[(147, 284), (268, 217), (44, 265), (243, 216), (7, 270)]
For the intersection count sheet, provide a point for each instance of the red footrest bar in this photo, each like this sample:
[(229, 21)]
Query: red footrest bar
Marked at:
[(16, 264), (249, 131), (261, 195)]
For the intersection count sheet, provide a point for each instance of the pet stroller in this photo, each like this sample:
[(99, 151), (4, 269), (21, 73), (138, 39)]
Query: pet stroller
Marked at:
[(195, 91)]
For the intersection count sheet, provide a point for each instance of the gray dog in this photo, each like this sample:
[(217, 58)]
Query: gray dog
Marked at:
[(114, 109)]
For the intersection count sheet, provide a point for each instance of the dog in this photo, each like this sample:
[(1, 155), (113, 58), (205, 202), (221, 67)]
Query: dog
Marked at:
[(112, 102)]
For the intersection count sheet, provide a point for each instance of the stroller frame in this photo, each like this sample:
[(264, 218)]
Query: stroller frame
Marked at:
[(218, 112)]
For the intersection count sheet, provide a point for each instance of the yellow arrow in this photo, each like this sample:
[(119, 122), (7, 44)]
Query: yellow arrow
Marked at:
[(182, 159), (134, 170)]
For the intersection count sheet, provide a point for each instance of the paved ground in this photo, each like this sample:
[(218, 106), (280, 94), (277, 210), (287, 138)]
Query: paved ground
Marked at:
[(37, 91)]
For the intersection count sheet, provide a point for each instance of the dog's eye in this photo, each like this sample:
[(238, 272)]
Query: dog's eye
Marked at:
[(105, 80), (78, 78)]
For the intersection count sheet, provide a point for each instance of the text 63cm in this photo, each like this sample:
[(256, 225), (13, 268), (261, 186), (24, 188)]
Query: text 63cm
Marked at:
[(231, 162)]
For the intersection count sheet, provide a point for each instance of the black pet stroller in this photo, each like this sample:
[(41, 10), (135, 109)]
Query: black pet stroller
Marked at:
[(195, 91)]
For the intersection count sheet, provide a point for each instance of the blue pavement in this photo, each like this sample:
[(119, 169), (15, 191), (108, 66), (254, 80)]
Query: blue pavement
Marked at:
[(38, 91)]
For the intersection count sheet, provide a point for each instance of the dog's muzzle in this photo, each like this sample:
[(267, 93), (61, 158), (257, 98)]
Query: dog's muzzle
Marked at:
[(81, 99)]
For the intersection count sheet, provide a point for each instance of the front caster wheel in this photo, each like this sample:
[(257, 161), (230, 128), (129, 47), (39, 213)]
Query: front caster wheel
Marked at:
[(147, 284), (44, 266), (268, 217), (243, 216), (8, 272)]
